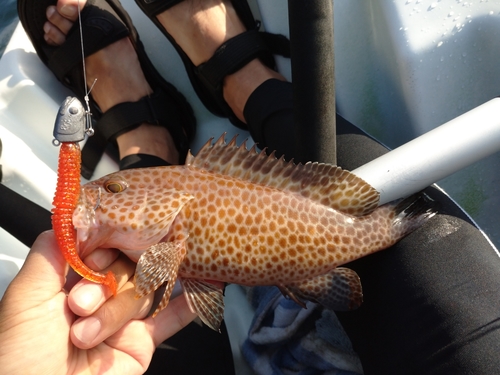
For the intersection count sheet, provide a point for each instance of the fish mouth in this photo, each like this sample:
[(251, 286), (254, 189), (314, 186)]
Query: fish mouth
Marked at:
[(89, 234), (84, 216)]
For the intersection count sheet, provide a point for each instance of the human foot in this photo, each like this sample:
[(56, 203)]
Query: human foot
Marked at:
[(200, 28), (119, 79)]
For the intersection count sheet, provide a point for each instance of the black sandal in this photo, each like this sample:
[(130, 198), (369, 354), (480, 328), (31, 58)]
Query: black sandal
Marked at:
[(104, 22), (231, 56)]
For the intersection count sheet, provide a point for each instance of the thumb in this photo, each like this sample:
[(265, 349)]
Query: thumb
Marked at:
[(44, 271)]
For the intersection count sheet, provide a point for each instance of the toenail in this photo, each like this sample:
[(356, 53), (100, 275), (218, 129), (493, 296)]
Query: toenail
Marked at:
[(50, 11), (46, 27), (69, 10)]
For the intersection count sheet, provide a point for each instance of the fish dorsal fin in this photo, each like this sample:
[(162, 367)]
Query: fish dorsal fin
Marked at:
[(324, 183)]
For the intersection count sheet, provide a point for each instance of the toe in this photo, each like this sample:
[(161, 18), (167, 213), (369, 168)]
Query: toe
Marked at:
[(57, 27), (60, 20), (69, 8), (53, 35)]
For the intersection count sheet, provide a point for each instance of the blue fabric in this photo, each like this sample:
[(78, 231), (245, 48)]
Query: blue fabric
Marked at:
[(286, 339)]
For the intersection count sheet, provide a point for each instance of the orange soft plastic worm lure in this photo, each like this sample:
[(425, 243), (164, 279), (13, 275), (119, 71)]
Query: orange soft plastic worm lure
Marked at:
[(68, 190)]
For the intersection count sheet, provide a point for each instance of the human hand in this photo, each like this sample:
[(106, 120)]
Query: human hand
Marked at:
[(44, 330)]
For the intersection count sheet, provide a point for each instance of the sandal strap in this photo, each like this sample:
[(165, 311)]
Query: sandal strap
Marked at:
[(156, 109), (91, 154), (154, 7), (235, 53)]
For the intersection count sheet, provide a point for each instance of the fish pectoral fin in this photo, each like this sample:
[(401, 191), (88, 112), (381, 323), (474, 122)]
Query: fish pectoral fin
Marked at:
[(206, 300), (158, 265), (339, 290)]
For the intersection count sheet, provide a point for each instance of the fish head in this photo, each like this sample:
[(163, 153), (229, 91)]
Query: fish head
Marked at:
[(125, 212)]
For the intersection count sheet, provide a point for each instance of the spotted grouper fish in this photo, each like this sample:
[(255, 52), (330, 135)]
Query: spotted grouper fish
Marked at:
[(240, 216)]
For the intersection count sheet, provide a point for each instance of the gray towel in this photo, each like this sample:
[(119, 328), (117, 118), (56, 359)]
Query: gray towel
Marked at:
[(286, 339)]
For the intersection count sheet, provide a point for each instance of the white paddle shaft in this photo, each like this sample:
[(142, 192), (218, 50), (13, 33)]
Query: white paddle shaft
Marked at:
[(436, 154)]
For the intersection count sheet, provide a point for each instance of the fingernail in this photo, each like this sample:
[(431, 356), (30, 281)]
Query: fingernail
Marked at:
[(102, 258), (88, 297), (68, 10), (87, 330)]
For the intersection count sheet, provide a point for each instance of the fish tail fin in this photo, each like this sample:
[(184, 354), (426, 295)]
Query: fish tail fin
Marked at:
[(411, 213)]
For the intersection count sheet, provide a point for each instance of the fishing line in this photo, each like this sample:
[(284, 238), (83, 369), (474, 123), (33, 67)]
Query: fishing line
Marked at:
[(89, 130)]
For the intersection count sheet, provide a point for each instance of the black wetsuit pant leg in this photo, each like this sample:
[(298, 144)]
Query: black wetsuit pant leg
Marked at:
[(432, 301), (269, 115)]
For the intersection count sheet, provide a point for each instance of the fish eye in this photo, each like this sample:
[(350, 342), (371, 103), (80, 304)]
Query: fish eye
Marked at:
[(115, 186)]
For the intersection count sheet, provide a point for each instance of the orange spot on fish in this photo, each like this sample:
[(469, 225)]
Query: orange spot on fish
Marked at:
[(283, 242)]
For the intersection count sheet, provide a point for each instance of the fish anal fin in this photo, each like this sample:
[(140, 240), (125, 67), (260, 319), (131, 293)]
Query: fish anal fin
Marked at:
[(327, 184), (339, 290), (206, 300), (156, 266)]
